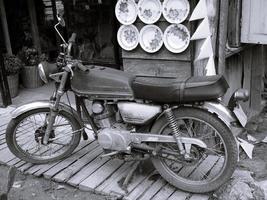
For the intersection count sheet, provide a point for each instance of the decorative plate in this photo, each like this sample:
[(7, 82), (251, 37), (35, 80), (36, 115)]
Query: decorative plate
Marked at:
[(175, 11), (151, 38), (128, 37), (126, 11), (176, 38), (149, 11)]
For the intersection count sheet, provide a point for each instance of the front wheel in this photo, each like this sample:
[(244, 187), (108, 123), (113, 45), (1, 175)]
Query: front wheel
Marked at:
[(24, 136), (207, 169)]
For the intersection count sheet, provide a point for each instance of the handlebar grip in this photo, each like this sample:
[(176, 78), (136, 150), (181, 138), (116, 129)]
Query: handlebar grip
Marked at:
[(72, 38), (82, 67)]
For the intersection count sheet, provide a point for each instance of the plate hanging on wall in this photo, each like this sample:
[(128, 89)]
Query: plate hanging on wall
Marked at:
[(126, 11), (151, 38), (176, 38), (128, 37), (175, 11), (149, 11)]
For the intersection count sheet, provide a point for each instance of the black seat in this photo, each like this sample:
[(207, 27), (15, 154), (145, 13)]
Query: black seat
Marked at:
[(172, 90)]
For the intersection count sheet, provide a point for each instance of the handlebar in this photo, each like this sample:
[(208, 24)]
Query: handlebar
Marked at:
[(82, 67), (72, 38), (71, 41)]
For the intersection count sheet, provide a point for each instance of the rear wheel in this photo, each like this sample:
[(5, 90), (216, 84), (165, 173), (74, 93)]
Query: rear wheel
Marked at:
[(207, 169), (24, 136)]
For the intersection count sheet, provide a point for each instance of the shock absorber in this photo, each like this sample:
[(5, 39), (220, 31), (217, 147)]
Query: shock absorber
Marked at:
[(175, 129)]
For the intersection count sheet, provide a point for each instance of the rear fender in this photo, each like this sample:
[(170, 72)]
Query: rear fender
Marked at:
[(222, 112), (226, 115)]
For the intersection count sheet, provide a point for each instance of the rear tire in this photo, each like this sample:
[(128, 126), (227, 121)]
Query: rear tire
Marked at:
[(199, 186), (15, 148)]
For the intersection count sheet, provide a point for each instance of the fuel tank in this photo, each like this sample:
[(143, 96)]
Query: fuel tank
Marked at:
[(102, 83)]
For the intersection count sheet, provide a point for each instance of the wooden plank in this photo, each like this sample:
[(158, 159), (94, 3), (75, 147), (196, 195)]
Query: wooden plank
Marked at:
[(179, 195), (87, 171), (38, 170), (99, 176), (65, 174), (162, 54), (138, 177), (13, 161), (155, 187), (24, 167), (247, 64), (257, 74), (204, 167), (199, 197), (178, 69), (142, 187), (164, 193), (217, 167), (3, 146), (4, 121), (66, 162), (113, 180)]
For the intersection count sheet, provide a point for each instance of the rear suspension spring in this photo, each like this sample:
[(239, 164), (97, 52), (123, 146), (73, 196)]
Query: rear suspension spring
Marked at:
[(175, 129)]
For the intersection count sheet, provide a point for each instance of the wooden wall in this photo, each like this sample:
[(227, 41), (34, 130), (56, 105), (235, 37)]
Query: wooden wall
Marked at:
[(161, 63), (246, 70)]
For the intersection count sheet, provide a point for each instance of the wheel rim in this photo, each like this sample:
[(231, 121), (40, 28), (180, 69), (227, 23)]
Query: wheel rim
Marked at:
[(27, 141), (211, 163)]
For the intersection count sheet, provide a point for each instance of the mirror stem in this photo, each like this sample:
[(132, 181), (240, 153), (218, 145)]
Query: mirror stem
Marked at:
[(60, 34)]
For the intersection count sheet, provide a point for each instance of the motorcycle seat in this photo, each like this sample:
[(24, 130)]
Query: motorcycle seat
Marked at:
[(172, 90)]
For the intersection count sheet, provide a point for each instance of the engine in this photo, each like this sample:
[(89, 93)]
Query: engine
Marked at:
[(116, 121)]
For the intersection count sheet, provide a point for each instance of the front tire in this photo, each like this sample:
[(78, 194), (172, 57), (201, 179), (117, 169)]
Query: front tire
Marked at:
[(188, 176), (24, 136)]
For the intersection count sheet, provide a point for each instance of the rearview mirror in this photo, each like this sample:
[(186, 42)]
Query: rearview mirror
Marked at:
[(60, 18)]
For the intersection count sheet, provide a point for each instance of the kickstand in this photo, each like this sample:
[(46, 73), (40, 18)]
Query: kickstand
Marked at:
[(129, 176)]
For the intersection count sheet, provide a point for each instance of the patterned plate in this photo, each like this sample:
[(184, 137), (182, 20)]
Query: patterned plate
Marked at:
[(175, 11), (151, 38), (126, 11), (149, 11), (128, 37), (176, 38)]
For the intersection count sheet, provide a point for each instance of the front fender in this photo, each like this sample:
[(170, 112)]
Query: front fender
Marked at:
[(44, 104)]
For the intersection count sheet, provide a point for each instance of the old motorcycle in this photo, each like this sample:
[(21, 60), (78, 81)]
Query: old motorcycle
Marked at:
[(182, 126)]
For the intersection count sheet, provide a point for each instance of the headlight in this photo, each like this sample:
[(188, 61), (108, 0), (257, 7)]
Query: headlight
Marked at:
[(42, 73)]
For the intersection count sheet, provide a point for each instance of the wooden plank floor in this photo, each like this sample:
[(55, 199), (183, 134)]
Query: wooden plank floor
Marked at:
[(85, 170)]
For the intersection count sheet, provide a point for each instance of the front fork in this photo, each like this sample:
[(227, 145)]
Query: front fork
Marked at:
[(54, 106)]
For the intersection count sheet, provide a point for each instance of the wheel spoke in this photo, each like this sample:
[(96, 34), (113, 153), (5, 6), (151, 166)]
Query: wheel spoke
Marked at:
[(29, 140)]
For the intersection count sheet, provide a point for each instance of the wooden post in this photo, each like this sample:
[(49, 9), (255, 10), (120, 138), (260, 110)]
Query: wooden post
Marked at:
[(234, 28), (4, 89), (224, 5), (5, 27), (35, 32)]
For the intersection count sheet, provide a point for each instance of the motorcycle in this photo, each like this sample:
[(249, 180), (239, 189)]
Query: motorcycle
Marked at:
[(182, 126)]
